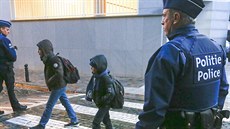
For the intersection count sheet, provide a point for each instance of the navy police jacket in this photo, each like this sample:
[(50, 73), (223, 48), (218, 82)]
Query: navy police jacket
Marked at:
[(186, 74), (7, 52)]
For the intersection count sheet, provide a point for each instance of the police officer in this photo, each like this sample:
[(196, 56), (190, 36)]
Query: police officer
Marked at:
[(7, 58), (185, 80)]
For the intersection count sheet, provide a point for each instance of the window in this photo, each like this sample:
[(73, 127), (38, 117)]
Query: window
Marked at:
[(48, 9)]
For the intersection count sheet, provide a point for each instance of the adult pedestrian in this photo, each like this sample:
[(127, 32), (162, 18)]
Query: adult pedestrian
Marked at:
[(54, 78), (7, 58), (185, 80)]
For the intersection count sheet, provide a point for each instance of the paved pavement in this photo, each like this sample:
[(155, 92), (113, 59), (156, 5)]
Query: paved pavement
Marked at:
[(133, 86), (85, 111), (37, 97)]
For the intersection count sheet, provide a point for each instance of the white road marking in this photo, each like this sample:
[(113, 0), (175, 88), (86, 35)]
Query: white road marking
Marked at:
[(32, 120), (125, 117), (130, 104)]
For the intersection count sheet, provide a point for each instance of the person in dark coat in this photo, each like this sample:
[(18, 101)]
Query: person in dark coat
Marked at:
[(103, 92), (54, 78), (7, 58), (185, 79)]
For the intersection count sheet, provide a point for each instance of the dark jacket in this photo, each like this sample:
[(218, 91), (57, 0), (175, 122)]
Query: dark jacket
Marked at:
[(7, 53), (54, 74), (186, 74), (103, 91)]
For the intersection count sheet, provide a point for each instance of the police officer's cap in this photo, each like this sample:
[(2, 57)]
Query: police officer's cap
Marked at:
[(189, 7), (4, 23)]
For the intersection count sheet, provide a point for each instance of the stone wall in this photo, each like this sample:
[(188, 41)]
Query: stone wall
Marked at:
[(127, 42)]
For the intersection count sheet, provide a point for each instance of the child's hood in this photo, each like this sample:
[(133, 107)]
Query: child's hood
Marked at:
[(99, 62)]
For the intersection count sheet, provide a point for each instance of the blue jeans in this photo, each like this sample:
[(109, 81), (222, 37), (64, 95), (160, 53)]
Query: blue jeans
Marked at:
[(53, 98)]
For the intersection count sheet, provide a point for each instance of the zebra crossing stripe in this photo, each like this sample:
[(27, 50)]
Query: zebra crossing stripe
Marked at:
[(133, 105), (124, 117), (29, 120), (130, 104)]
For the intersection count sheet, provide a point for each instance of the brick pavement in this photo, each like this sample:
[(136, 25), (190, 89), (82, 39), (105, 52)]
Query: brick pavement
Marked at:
[(85, 112), (133, 85), (121, 119)]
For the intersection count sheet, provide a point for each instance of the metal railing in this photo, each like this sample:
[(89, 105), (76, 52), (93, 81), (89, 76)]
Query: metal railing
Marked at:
[(46, 9)]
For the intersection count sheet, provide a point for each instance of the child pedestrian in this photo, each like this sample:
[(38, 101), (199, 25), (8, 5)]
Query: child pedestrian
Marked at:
[(103, 92)]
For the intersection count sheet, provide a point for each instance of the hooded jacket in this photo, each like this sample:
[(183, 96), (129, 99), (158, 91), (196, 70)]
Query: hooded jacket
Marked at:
[(103, 92), (53, 70)]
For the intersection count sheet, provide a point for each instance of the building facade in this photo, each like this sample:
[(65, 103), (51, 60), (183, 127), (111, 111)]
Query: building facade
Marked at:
[(126, 40)]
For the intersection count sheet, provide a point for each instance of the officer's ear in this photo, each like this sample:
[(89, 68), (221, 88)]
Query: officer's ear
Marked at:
[(177, 18)]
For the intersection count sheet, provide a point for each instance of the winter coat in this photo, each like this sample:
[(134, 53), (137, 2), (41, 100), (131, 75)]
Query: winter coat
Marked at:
[(176, 80), (7, 53), (103, 92), (54, 73)]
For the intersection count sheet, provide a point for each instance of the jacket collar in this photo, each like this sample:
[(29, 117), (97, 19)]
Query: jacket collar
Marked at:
[(2, 34), (106, 72), (184, 30)]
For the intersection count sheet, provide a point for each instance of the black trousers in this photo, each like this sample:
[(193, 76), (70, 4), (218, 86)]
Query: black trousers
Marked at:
[(7, 75), (102, 115)]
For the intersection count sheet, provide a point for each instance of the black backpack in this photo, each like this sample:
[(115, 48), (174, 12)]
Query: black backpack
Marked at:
[(71, 74), (118, 101)]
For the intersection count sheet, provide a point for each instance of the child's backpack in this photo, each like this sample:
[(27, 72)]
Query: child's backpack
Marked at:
[(71, 74), (118, 101)]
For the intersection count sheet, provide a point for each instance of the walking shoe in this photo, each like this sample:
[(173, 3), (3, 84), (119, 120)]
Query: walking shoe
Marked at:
[(20, 108), (75, 124), (37, 127), (1, 112)]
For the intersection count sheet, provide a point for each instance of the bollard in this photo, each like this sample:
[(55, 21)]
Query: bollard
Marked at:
[(26, 73)]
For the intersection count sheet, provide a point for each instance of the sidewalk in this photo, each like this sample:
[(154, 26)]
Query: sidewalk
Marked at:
[(134, 88)]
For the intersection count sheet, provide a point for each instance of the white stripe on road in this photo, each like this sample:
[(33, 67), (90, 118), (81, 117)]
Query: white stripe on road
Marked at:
[(130, 104), (133, 105), (32, 120), (124, 117)]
